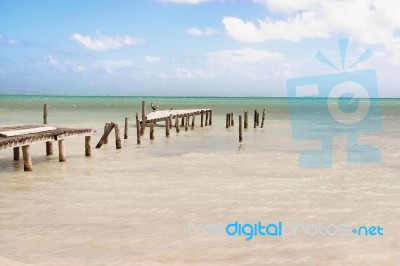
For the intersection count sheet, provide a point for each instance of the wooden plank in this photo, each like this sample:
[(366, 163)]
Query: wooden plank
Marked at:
[(105, 136), (12, 133)]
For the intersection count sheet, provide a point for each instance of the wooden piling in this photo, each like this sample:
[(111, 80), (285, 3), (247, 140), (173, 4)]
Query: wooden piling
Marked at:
[(49, 148), (193, 117), (143, 127), (246, 118), (143, 118), (16, 153), (258, 119), (232, 120), (255, 118), (137, 129), (227, 120), (263, 118), (107, 132), (49, 144), (206, 123), (177, 124), (117, 137), (186, 122), (152, 124), (26, 155), (45, 111), (170, 121), (210, 119), (240, 129), (88, 147), (167, 126), (126, 128), (201, 118), (183, 121), (61, 150)]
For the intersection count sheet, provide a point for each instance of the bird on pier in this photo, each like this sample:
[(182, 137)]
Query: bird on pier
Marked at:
[(154, 107)]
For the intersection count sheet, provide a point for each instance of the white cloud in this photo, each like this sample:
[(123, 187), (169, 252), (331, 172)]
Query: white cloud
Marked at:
[(205, 32), (152, 59), (294, 29), (367, 21), (74, 67), (12, 42), (111, 66), (103, 43), (244, 56), (50, 60), (286, 6), (189, 2), (183, 73)]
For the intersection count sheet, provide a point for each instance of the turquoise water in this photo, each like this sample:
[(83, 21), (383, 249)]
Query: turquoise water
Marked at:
[(133, 206)]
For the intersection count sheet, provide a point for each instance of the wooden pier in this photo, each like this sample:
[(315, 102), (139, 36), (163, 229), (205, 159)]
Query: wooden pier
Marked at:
[(23, 136), (162, 115), (167, 116)]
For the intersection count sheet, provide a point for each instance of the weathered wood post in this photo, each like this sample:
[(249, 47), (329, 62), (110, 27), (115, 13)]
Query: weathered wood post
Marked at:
[(255, 118), (26, 155), (201, 118), (49, 144), (186, 122), (126, 128), (246, 118), (45, 111), (170, 121), (177, 124), (240, 129), (232, 120), (227, 121), (61, 150), (152, 129), (263, 118), (137, 129), (193, 117), (117, 137), (16, 153), (206, 122), (167, 126), (106, 126), (258, 118), (88, 147), (183, 121), (143, 118), (210, 122), (110, 127)]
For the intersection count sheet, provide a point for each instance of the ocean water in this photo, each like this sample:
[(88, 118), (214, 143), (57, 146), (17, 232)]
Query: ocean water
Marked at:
[(138, 205)]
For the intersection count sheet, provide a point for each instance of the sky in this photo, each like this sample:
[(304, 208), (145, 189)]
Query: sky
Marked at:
[(191, 47)]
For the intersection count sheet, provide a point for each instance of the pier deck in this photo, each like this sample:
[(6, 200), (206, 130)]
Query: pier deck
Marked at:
[(162, 115), (25, 135)]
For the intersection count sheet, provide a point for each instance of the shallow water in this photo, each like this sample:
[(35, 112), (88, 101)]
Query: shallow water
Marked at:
[(134, 206)]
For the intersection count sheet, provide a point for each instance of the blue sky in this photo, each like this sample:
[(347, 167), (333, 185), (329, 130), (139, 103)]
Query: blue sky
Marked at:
[(189, 47)]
